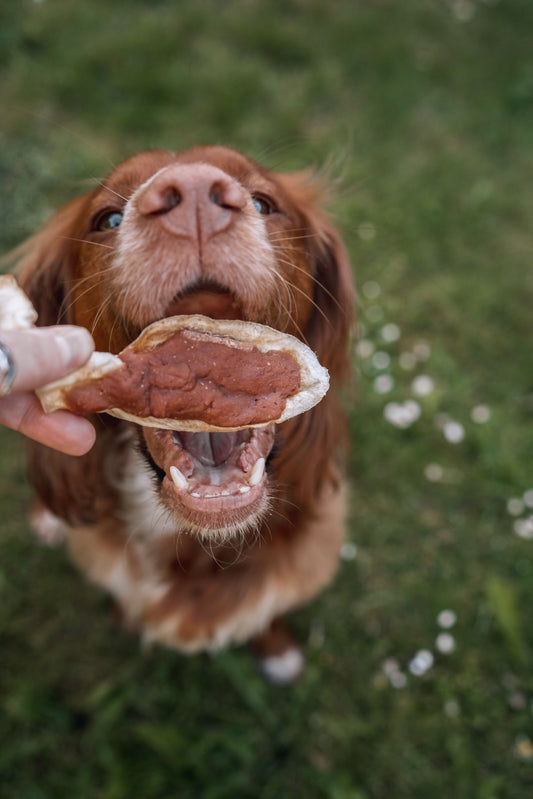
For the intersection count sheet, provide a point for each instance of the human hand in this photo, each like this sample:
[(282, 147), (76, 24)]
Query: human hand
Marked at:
[(41, 355)]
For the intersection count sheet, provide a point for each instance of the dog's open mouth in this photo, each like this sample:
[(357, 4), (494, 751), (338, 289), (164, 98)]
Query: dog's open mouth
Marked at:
[(207, 298), (212, 481)]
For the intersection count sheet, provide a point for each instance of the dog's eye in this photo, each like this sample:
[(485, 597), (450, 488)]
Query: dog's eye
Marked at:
[(108, 221), (263, 205)]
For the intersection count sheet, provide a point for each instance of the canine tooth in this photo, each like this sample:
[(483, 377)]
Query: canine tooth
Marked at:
[(244, 489), (178, 478), (257, 472)]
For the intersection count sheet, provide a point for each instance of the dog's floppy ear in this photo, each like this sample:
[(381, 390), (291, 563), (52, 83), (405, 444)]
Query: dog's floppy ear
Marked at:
[(333, 317), (322, 430), (66, 485), (73, 487), (42, 264)]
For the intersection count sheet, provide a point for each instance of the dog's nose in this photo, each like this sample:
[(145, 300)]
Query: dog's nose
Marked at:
[(192, 200)]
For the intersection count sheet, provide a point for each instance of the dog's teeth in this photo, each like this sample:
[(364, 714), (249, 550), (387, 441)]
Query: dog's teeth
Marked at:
[(244, 489), (256, 475), (178, 478), (212, 494)]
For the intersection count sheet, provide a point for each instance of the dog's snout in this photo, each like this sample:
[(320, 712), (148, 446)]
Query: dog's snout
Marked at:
[(192, 200)]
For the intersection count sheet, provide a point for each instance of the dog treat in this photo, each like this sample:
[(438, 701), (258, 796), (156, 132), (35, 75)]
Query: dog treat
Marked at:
[(189, 373), (194, 373), (16, 311)]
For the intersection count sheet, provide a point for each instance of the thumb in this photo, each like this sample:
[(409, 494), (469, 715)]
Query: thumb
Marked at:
[(44, 354)]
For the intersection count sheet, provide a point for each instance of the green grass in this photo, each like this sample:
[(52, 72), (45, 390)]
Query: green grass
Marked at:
[(426, 118)]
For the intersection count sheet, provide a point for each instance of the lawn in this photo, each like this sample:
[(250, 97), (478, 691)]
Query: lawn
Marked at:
[(419, 681)]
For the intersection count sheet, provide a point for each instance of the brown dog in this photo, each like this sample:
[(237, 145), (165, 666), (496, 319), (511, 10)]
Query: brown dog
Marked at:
[(202, 231)]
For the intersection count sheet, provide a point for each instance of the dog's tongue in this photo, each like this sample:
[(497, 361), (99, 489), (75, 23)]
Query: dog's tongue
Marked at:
[(210, 449), (210, 302)]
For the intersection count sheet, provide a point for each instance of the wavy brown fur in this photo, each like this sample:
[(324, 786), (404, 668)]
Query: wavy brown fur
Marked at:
[(68, 270)]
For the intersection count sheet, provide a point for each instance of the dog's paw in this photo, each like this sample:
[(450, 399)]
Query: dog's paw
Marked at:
[(284, 668), (48, 527)]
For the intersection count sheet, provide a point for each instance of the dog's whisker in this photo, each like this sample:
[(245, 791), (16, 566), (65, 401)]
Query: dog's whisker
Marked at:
[(87, 241), (317, 282), (113, 328), (277, 239), (309, 299), (64, 309), (103, 307), (103, 185), (287, 286)]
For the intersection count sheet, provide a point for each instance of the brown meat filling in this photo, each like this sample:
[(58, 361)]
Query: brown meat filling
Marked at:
[(194, 376)]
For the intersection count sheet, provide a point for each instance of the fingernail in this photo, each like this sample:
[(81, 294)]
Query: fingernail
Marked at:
[(74, 346)]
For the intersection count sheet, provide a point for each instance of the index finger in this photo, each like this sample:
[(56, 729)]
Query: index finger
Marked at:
[(44, 354)]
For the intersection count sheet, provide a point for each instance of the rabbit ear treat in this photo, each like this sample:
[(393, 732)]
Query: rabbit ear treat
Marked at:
[(16, 311), (194, 373)]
